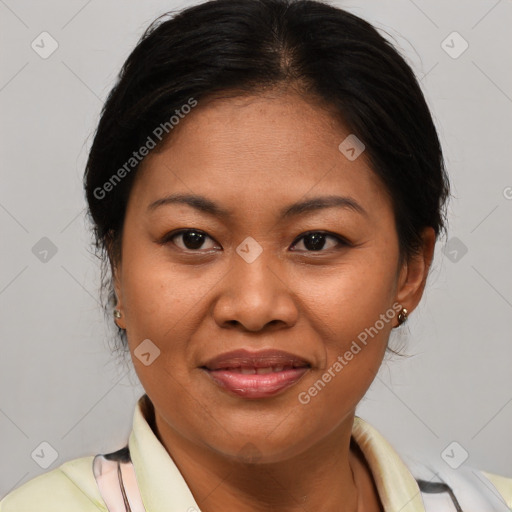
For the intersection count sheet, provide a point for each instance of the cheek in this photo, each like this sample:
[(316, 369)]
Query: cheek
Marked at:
[(357, 328), (157, 293), (165, 303), (353, 308), (351, 296)]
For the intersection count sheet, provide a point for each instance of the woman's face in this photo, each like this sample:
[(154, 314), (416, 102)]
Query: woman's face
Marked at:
[(256, 271)]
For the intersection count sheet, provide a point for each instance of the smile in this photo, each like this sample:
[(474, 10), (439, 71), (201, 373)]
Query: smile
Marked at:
[(252, 382)]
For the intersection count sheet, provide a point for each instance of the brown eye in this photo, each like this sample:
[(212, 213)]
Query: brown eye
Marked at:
[(317, 240), (191, 239)]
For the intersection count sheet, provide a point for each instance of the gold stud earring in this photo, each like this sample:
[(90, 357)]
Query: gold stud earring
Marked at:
[(402, 316), (117, 313)]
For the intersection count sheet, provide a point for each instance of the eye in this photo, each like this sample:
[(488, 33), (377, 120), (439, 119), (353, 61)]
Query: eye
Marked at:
[(191, 239), (315, 241), (194, 240)]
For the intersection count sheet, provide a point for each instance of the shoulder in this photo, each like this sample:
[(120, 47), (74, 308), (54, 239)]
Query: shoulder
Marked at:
[(503, 486), (71, 486), (438, 480), (472, 488)]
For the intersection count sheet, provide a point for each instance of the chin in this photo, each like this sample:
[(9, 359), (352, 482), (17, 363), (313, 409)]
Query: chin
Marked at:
[(254, 449)]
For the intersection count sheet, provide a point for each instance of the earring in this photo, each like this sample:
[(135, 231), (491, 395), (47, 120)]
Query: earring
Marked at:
[(117, 313), (402, 316)]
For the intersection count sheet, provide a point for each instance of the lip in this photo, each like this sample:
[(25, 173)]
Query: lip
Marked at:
[(225, 370), (260, 359)]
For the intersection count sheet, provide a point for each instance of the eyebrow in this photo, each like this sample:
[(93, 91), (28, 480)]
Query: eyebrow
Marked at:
[(205, 205)]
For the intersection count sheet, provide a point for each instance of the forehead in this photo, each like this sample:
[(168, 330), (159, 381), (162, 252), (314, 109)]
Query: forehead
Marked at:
[(258, 151)]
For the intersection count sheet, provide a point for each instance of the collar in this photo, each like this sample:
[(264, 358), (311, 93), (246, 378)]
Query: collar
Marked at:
[(396, 486), (162, 486)]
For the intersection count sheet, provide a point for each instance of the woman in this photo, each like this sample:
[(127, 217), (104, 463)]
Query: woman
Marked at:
[(267, 186)]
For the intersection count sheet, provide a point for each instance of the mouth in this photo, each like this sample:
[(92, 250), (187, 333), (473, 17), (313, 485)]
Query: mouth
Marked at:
[(254, 375)]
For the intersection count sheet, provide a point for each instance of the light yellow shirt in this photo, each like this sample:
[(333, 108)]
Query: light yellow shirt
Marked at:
[(73, 488)]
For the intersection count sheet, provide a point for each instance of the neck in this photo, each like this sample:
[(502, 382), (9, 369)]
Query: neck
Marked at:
[(324, 477)]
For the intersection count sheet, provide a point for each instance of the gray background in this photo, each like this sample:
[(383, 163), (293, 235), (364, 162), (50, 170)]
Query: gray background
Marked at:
[(59, 382)]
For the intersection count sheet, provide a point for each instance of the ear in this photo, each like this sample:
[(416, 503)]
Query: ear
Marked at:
[(414, 272), (116, 272), (115, 268)]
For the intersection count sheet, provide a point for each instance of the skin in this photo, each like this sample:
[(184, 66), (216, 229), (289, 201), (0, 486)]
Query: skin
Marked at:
[(253, 156)]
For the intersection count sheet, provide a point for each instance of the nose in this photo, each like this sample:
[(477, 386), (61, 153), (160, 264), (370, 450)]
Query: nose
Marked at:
[(256, 296)]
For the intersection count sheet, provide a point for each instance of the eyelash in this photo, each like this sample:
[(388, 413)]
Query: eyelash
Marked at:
[(341, 241)]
